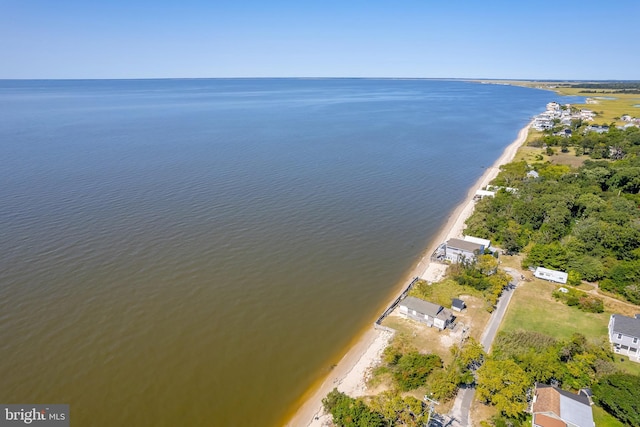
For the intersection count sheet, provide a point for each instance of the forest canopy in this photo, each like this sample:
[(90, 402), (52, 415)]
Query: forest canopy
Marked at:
[(584, 221)]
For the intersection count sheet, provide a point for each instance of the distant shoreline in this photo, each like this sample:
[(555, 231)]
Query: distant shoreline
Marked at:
[(348, 374)]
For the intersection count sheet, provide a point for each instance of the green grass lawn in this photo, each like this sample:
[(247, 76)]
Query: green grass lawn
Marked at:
[(623, 363), (443, 292), (603, 419), (533, 308)]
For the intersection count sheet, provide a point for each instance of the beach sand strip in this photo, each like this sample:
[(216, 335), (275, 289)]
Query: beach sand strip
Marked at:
[(349, 375)]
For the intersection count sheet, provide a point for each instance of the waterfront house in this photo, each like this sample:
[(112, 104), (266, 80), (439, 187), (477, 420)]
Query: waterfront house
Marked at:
[(551, 275), (553, 407), (553, 106), (426, 312), (484, 242), (481, 194), (587, 115), (498, 188), (542, 123), (457, 250), (624, 335)]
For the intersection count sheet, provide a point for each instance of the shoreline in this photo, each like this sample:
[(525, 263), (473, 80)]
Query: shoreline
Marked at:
[(348, 374)]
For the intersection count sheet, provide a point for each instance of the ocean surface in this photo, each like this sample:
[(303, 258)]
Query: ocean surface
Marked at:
[(200, 252)]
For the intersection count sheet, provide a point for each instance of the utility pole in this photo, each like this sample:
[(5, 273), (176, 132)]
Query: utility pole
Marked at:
[(432, 404)]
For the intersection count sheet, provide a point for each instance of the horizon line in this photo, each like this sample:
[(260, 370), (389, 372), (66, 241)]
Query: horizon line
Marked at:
[(322, 78)]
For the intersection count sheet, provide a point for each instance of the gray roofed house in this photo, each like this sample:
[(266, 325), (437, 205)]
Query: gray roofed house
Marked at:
[(624, 335), (554, 407), (425, 312), (457, 250)]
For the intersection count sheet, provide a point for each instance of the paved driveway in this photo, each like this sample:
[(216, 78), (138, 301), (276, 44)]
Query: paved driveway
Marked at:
[(462, 405)]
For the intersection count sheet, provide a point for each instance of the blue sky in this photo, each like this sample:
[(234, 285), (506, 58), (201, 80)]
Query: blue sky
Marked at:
[(563, 39)]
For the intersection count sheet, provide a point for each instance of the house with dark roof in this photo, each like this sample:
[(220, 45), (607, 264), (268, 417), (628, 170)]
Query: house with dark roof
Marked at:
[(457, 250), (457, 304), (425, 312), (624, 335), (553, 407)]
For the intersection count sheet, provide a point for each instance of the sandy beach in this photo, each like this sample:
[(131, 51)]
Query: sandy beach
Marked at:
[(349, 374)]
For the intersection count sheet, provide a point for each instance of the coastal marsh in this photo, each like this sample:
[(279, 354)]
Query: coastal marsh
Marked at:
[(608, 106), (607, 109)]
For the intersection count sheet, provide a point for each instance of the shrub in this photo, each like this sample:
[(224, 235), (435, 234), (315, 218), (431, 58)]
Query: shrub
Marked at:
[(413, 368), (575, 298)]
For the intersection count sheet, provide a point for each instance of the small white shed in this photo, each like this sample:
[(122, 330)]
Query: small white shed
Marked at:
[(551, 275)]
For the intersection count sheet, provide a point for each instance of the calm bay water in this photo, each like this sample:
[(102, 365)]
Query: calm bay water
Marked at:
[(199, 252)]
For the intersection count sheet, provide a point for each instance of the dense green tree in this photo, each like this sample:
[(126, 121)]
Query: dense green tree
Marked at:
[(399, 410), (619, 394), (413, 369), (542, 365), (349, 412), (471, 354), (511, 173), (504, 384), (582, 220), (589, 267), (623, 279), (443, 384), (552, 255)]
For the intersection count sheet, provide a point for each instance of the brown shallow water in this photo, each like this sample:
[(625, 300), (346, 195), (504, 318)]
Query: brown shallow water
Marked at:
[(200, 252)]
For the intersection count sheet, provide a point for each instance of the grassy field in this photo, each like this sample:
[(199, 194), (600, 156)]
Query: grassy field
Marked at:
[(537, 154), (443, 292), (608, 109), (624, 364), (533, 308), (422, 337), (603, 419), (569, 158)]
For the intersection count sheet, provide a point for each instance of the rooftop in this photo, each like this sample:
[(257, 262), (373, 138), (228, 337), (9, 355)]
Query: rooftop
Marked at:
[(422, 306), (543, 420), (464, 245), (426, 307), (456, 302), (574, 409), (626, 325)]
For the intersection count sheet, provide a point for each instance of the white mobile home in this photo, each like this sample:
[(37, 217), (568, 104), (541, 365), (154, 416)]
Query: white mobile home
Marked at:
[(551, 275)]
